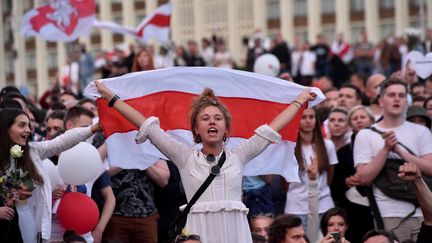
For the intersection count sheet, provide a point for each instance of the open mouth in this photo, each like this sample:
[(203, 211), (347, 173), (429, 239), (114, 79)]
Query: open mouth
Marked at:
[(212, 131)]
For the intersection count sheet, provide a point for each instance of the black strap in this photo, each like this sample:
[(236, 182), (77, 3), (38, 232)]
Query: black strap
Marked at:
[(401, 144), (374, 205), (199, 192)]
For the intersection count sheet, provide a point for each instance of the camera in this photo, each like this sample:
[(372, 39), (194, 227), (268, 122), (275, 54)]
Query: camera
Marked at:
[(336, 236)]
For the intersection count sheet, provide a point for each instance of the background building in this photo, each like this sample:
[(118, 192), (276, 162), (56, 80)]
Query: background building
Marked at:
[(34, 63)]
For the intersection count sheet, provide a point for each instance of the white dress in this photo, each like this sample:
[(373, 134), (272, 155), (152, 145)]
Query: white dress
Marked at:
[(219, 215)]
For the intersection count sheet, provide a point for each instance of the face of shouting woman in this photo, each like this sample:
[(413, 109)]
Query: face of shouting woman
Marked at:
[(211, 125), (19, 132)]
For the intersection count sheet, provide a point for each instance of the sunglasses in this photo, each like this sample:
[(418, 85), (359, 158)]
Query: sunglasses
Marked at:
[(181, 238)]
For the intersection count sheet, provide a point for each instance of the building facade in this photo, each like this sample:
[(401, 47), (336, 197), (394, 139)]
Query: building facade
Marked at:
[(34, 63)]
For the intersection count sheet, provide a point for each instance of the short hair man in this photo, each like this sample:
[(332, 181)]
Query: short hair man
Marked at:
[(68, 99), (375, 236), (349, 96), (287, 228), (372, 89), (372, 149), (372, 85), (78, 116), (419, 89), (54, 124)]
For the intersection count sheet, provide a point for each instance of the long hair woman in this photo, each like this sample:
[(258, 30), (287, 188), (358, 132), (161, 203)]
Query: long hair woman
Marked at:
[(32, 199), (143, 61), (316, 157), (219, 215)]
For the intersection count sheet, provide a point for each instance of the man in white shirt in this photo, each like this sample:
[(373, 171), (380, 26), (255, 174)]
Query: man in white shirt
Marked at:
[(372, 149)]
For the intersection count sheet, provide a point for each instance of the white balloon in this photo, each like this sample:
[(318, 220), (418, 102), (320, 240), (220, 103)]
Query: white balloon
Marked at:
[(267, 64), (52, 172), (80, 164)]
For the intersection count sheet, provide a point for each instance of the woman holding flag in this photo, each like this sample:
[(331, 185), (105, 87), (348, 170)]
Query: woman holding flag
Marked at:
[(219, 215)]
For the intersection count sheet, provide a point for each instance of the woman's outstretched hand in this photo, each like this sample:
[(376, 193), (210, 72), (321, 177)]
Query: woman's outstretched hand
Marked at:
[(305, 96), (103, 90)]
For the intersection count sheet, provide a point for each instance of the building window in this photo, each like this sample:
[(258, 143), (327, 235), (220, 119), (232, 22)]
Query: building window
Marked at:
[(7, 33), (52, 59), (328, 6), (9, 67), (300, 8), (329, 34), (356, 31), (139, 18), (31, 61), (273, 11), (215, 13), (386, 4), (27, 5), (386, 29), (417, 3), (357, 5), (302, 35), (118, 19), (7, 6)]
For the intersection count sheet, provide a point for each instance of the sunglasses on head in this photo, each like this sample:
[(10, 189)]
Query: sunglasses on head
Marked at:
[(181, 238)]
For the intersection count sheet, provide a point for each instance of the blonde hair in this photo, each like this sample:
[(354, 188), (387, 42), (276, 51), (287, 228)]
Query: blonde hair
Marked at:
[(207, 98), (360, 107)]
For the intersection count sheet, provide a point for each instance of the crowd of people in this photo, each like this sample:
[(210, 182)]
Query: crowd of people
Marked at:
[(376, 111)]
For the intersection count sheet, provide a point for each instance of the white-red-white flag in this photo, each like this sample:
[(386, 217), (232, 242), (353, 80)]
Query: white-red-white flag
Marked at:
[(253, 99), (60, 20), (156, 25)]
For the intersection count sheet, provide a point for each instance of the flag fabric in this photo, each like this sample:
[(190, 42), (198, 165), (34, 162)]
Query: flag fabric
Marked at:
[(155, 26), (60, 20), (253, 99), (114, 27)]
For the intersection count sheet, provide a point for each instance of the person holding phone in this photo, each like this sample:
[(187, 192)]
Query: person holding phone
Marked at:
[(334, 225)]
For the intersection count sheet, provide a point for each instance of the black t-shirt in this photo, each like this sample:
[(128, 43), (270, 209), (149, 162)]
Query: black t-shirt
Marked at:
[(134, 194), (322, 52)]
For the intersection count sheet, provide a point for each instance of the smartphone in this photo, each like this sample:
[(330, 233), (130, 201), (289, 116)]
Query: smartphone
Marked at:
[(336, 236)]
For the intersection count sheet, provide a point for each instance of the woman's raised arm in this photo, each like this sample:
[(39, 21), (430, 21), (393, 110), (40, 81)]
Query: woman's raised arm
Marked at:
[(281, 120), (126, 110)]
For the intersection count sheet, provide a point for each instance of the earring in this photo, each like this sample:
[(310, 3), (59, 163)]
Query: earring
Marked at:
[(224, 138), (198, 139)]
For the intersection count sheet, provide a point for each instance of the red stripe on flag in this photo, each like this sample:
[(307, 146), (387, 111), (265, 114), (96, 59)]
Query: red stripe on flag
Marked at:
[(160, 20), (172, 108), (83, 9)]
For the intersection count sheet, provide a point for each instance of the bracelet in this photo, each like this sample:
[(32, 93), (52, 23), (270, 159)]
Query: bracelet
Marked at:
[(298, 103), (113, 101)]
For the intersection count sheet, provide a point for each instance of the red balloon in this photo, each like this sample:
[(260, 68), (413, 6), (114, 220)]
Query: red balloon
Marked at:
[(78, 212)]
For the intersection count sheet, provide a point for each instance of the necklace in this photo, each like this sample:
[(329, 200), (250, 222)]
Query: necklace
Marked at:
[(214, 168)]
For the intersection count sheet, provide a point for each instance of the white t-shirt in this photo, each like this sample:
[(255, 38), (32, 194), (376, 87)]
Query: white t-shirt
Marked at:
[(297, 195), (368, 143), (308, 64)]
